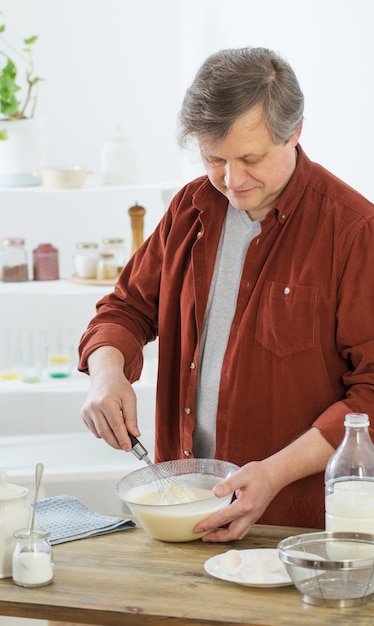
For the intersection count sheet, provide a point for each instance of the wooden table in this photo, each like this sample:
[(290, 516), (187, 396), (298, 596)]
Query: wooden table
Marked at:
[(127, 578)]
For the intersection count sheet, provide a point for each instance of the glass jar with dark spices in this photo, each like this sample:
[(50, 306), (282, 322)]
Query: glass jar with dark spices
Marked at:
[(13, 260)]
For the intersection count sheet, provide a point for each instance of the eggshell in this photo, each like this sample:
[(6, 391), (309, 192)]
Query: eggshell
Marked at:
[(232, 562)]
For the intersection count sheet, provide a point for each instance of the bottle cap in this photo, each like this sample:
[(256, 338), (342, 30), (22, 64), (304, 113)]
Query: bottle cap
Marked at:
[(356, 419)]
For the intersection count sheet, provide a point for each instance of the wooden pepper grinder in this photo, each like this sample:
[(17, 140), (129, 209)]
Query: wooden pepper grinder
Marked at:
[(137, 213)]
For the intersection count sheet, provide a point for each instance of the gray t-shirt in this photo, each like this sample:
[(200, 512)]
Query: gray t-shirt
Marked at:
[(238, 231)]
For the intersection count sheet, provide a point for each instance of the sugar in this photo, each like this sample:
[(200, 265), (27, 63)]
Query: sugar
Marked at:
[(32, 569)]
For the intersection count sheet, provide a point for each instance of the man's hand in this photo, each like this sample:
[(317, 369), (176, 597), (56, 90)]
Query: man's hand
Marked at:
[(109, 411)]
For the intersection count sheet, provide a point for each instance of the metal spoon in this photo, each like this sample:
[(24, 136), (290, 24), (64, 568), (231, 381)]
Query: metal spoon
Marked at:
[(38, 477)]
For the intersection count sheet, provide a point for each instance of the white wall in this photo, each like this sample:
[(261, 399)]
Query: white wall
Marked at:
[(104, 62), (129, 61), (330, 45)]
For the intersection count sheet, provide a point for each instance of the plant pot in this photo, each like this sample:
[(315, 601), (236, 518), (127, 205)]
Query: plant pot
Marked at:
[(22, 153)]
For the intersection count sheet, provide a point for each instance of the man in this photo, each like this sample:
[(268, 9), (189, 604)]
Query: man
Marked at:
[(258, 283)]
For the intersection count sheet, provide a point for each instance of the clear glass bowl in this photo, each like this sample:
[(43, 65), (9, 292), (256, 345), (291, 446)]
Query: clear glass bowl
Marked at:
[(169, 518), (331, 568)]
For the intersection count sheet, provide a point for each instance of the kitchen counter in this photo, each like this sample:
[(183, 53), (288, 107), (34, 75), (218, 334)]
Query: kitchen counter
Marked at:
[(127, 578)]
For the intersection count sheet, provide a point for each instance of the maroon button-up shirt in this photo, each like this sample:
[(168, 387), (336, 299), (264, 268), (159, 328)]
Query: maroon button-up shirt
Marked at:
[(301, 347)]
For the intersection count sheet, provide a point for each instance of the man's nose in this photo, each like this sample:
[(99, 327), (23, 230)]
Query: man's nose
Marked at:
[(235, 175)]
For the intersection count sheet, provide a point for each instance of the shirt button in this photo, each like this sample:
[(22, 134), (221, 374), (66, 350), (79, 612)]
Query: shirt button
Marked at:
[(286, 291), (198, 234), (187, 452), (192, 366), (187, 410), (283, 217)]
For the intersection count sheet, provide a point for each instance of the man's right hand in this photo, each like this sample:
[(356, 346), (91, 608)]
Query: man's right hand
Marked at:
[(109, 410)]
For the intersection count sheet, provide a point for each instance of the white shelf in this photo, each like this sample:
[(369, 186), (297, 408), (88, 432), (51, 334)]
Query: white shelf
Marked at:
[(77, 383), (61, 287), (67, 457), (94, 184)]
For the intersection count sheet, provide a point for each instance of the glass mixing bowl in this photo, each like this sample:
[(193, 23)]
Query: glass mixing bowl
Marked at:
[(164, 507)]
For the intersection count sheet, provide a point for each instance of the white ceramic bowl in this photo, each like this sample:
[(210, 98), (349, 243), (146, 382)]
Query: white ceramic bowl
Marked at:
[(63, 177), (168, 521)]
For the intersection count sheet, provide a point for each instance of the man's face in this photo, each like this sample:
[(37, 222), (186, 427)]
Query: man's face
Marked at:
[(248, 167)]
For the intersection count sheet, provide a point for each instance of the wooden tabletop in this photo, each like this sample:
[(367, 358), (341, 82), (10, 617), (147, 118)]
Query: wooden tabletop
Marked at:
[(127, 578)]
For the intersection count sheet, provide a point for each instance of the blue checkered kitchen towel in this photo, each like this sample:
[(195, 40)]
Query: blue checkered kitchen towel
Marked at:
[(67, 519)]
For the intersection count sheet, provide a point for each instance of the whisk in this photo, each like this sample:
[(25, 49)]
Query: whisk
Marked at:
[(170, 491)]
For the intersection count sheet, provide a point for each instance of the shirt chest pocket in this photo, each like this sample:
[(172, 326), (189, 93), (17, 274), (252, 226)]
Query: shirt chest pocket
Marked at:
[(286, 320)]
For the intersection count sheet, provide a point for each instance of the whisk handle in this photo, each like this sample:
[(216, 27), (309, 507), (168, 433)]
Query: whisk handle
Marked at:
[(138, 449)]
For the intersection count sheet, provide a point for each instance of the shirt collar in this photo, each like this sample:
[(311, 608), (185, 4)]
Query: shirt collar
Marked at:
[(289, 200), (287, 203)]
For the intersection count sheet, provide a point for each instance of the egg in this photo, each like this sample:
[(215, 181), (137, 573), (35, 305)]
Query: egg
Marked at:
[(232, 562), (272, 562)]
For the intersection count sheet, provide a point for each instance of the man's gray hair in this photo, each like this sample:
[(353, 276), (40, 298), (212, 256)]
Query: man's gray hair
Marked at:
[(233, 81)]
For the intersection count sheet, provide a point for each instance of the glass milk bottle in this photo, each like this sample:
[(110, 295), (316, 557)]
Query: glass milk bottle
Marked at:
[(349, 479)]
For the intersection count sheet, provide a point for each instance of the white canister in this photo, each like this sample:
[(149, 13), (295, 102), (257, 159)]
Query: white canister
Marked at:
[(23, 153), (15, 512), (118, 161)]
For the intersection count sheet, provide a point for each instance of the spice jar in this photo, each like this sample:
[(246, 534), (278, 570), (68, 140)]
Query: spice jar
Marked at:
[(32, 564), (13, 260), (107, 266), (45, 262), (116, 246), (85, 259)]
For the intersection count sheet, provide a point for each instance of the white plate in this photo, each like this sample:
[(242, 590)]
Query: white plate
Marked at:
[(250, 576)]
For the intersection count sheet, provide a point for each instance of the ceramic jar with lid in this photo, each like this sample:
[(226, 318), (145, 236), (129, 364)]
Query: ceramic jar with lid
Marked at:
[(85, 259), (15, 513), (13, 260), (45, 262)]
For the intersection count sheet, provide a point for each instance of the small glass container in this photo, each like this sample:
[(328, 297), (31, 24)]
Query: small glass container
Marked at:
[(45, 262), (107, 267), (32, 564), (117, 247), (13, 260), (86, 259)]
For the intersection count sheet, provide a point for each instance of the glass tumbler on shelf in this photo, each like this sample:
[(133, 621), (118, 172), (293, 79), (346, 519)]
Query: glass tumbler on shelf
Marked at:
[(9, 353), (31, 355), (32, 564), (59, 350)]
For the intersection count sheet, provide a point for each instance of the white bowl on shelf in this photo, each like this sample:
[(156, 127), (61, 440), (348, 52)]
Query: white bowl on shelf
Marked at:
[(64, 177)]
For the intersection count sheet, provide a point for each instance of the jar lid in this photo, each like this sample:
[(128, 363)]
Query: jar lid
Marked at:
[(13, 241), (8, 490), (86, 245), (45, 248), (113, 241)]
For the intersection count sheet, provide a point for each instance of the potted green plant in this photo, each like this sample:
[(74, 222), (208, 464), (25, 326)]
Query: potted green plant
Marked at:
[(22, 140), (10, 107)]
